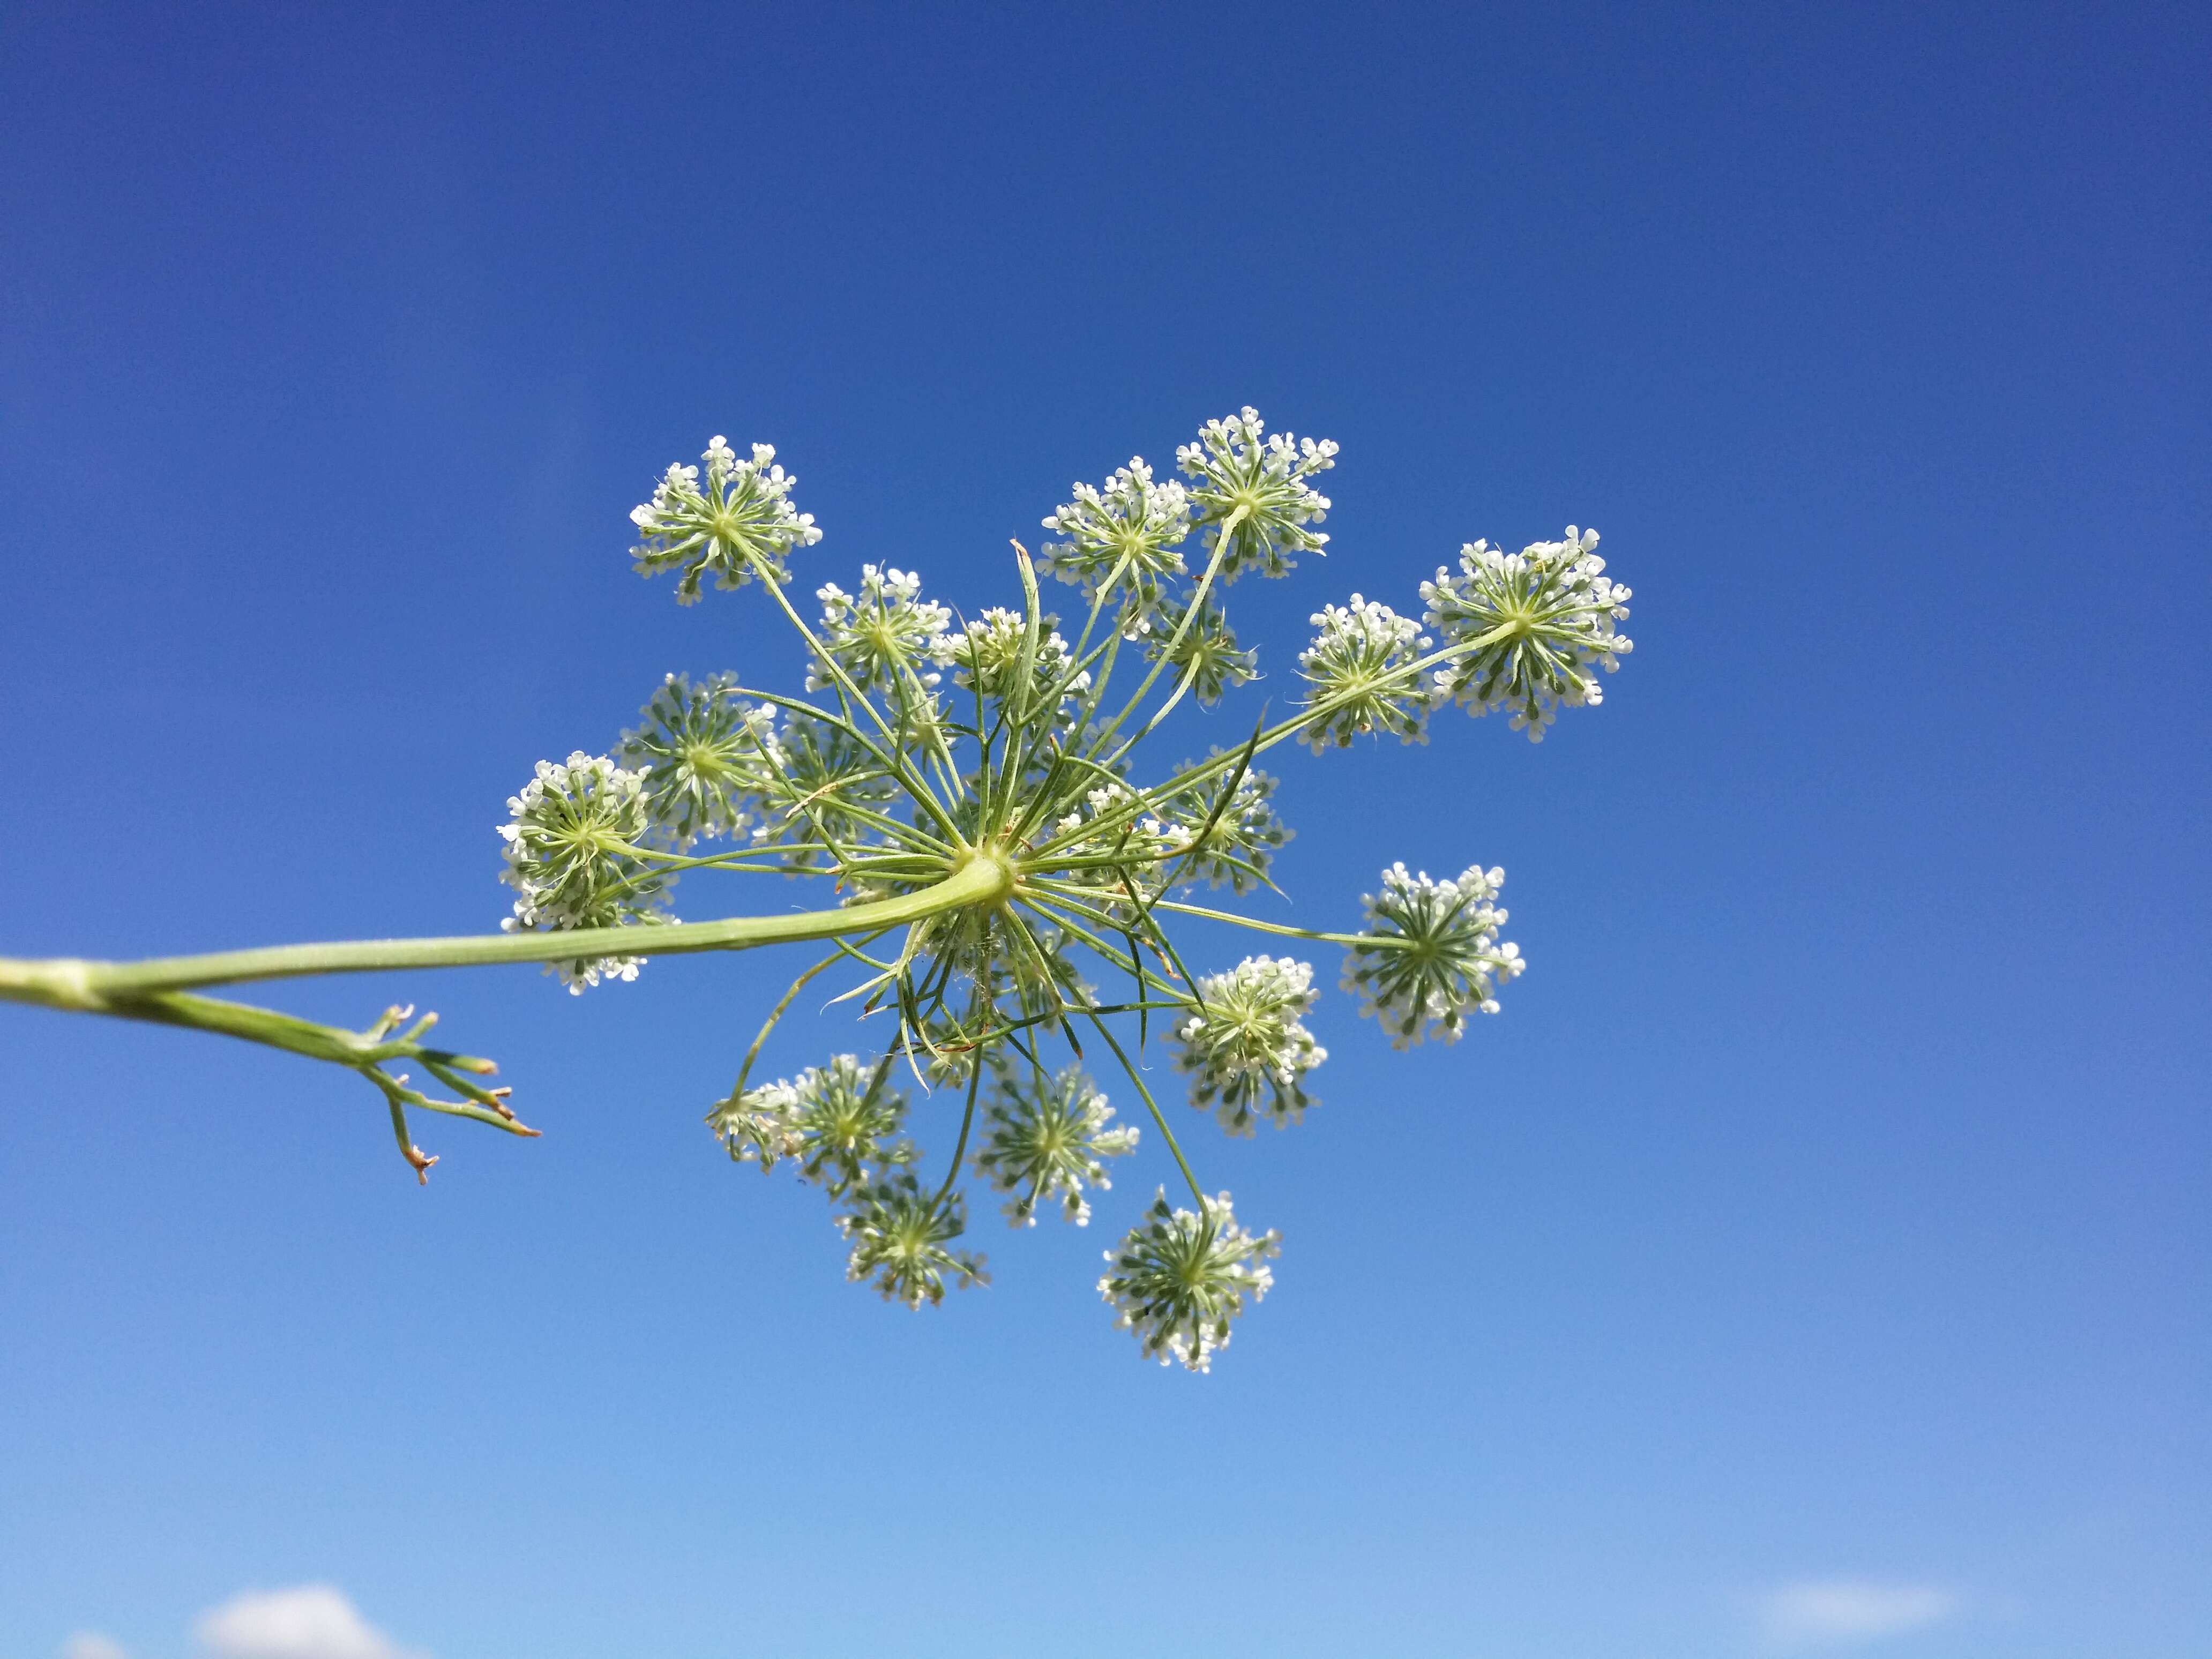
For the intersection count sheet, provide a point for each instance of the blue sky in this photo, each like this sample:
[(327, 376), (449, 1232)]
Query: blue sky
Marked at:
[(1814, 1256)]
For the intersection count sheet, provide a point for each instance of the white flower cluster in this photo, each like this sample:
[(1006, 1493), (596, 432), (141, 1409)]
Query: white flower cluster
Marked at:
[(1049, 1138), (987, 654), (1235, 470), (1542, 618), (1204, 651), (571, 846), (707, 757), (838, 1121), (1122, 538), (899, 1237), (826, 779), (1100, 829), (1437, 954), (1180, 1278), (1246, 1050), (1361, 666), (880, 634), (740, 524), (1028, 764), (1240, 835)]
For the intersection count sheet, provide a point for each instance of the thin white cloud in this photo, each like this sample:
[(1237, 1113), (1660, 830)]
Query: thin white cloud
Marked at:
[(309, 1621), (1825, 1613), (91, 1644)]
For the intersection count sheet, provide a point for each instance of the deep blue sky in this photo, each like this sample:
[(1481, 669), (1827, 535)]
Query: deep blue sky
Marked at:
[(1830, 1204)]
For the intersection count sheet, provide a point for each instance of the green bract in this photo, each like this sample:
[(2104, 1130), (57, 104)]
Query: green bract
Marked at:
[(998, 857)]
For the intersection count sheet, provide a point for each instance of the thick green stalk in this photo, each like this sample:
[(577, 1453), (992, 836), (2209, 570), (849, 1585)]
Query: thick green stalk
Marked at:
[(92, 986)]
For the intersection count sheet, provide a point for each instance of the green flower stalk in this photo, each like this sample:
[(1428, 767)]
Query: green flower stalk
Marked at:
[(1001, 866)]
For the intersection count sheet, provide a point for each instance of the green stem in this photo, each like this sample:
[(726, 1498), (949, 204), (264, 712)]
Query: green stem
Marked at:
[(1283, 928), (745, 1070), (1152, 1106), (95, 986), (959, 1151)]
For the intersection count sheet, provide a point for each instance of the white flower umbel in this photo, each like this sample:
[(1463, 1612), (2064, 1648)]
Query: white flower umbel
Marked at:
[(844, 1117), (899, 1236), (1122, 540), (1206, 651), (740, 524), (1049, 1139), (1362, 670), (1235, 471), (987, 655), (1180, 1278), (572, 848), (882, 635), (1241, 835), (996, 870), (1437, 953), (1246, 1048), (826, 779), (1543, 618), (761, 1125), (706, 755)]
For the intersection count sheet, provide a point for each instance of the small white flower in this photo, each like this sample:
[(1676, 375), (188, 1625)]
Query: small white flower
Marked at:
[(1122, 539), (572, 845), (1361, 667), (1437, 954), (1246, 1050), (1180, 1278), (1049, 1138), (739, 524), (899, 1238), (880, 635), (1540, 618), (1235, 471), (706, 755)]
